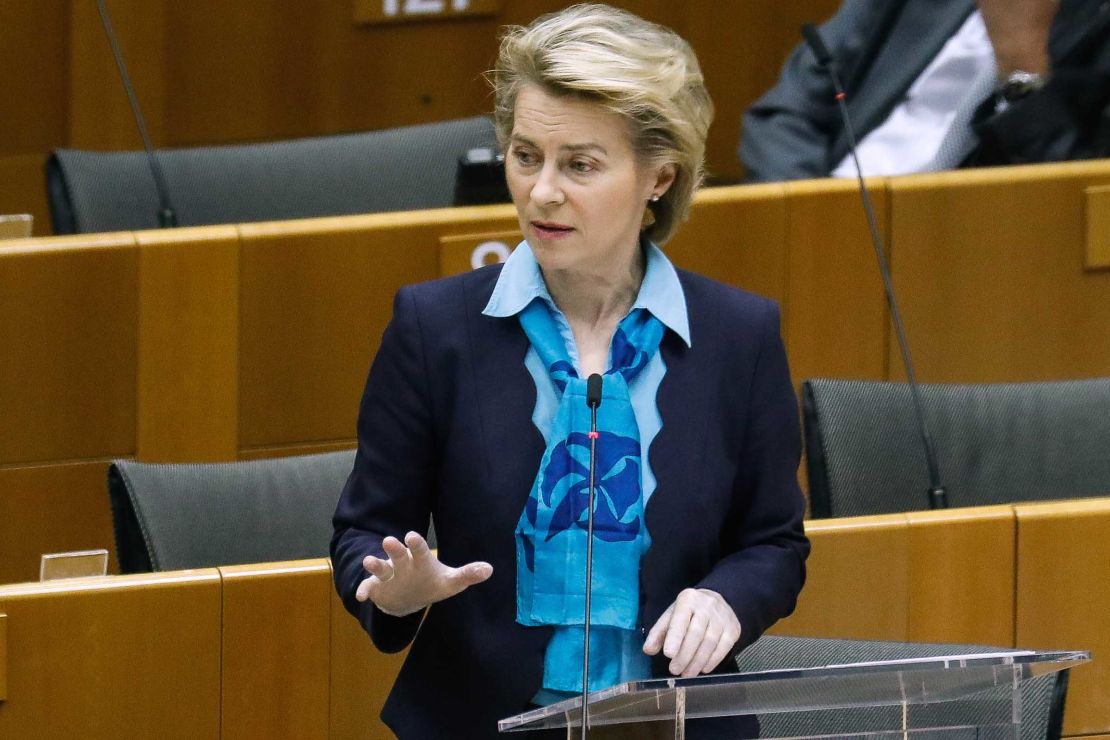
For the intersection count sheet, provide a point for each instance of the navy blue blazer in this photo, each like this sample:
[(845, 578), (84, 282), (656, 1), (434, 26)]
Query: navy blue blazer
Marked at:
[(445, 429)]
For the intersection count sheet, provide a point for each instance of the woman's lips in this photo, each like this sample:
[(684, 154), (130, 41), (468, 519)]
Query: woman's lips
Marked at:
[(550, 229)]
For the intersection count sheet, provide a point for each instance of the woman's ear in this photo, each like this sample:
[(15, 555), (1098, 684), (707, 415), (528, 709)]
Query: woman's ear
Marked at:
[(664, 178)]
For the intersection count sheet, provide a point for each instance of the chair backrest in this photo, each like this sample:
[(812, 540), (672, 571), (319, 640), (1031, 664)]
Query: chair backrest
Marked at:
[(1042, 698), (995, 443), (176, 516), (398, 169)]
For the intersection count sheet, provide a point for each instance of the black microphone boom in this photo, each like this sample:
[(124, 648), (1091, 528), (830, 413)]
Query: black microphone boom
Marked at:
[(937, 494), (167, 216), (817, 45), (593, 400)]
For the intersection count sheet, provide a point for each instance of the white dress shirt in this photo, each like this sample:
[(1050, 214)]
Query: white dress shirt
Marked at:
[(909, 139)]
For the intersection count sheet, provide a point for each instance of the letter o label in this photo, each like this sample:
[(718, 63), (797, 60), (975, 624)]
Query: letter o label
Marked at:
[(488, 253)]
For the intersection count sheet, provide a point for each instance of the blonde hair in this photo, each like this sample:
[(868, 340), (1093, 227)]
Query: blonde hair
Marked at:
[(641, 71)]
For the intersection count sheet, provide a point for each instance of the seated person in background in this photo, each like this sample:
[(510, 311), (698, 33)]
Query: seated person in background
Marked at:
[(937, 84)]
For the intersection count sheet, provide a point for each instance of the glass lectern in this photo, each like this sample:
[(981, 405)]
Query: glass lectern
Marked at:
[(955, 696)]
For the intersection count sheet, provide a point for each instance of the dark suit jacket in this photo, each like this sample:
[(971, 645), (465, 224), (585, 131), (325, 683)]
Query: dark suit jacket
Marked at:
[(881, 47), (445, 429)]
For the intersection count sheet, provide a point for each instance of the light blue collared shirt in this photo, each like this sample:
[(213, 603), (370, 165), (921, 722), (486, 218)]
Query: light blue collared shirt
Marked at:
[(521, 282)]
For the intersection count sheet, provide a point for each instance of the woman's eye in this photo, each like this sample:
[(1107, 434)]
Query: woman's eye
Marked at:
[(524, 157), (582, 166)]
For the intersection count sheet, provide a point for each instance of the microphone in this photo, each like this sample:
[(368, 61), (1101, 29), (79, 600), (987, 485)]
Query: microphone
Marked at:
[(167, 216), (593, 400), (936, 493), (593, 392)]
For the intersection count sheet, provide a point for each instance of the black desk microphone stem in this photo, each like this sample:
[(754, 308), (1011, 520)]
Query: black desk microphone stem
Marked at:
[(937, 495), (593, 400), (167, 216)]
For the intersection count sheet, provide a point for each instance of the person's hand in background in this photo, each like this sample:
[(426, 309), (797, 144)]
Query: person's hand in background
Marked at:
[(1019, 33)]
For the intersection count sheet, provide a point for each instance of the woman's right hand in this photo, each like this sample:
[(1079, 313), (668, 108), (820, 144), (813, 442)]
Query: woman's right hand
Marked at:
[(413, 578)]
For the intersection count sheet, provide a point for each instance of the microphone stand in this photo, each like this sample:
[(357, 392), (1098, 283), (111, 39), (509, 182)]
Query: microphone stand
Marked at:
[(167, 216), (937, 494), (593, 400)]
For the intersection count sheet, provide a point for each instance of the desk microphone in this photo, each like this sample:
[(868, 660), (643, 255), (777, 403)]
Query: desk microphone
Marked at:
[(593, 400), (167, 216), (937, 494)]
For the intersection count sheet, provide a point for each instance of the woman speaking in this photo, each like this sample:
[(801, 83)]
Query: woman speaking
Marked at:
[(474, 414)]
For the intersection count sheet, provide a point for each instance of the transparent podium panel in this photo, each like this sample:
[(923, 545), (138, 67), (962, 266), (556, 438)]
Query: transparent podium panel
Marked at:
[(954, 696)]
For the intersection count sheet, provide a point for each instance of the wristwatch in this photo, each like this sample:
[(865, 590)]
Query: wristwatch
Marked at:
[(1020, 84)]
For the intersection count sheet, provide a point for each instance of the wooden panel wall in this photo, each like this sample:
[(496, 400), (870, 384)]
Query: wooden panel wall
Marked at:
[(52, 507), (69, 337), (836, 319), (35, 46), (316, 296), (23, 189), (250, 341), (989, 266), (209, 71), (188, 362), (737, 236)]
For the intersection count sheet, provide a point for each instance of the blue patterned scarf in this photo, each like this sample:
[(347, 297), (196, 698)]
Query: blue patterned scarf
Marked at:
[(551, 534)]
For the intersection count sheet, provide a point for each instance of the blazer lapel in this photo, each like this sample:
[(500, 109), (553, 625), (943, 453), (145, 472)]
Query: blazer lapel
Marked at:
[(506, 395), (676, 454)]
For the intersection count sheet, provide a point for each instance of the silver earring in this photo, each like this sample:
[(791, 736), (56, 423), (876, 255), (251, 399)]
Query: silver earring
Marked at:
[(655, 199)]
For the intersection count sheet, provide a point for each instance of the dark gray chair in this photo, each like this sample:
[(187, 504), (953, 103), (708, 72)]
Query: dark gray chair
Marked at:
[(1042, 698), (995, 444), (171, 517), (397, 169)]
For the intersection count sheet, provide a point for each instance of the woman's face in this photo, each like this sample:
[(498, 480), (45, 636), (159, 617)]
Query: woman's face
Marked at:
[(578, 187)]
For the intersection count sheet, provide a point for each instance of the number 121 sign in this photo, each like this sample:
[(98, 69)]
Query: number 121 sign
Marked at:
[(402, 11)]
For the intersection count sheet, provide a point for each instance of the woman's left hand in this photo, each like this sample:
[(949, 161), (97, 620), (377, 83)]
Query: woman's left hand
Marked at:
[(696, 632)]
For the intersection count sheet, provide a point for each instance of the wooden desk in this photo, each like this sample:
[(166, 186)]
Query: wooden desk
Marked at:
[(961, 575), (944, 576), (234, 652), (857, 582), (1063, 597), (275, 641), (3, 657), (1023, 575), (126, 656), (268, 650)]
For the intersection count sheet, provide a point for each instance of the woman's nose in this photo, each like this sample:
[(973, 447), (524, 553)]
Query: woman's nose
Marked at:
[(548, 189)]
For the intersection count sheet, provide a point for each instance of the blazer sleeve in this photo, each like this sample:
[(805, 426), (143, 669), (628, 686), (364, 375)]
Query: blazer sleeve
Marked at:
[(390, 489), (765, 571), (789, 133)]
